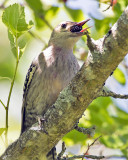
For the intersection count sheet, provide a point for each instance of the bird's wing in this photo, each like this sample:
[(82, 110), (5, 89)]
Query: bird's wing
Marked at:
[(28, 80)]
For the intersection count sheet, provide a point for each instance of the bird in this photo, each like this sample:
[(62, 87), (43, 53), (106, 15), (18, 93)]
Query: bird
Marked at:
[(50, 72)]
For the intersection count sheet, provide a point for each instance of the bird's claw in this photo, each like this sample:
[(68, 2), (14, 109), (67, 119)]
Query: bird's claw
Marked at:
[(41, 121)]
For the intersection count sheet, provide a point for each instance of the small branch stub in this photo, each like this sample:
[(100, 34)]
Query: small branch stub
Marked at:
[(89, 131), (62, 152)]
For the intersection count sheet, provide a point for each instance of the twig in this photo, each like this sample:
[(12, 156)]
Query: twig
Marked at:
[(79, 156), (116, 156), (37, 37), (111, 4), (106, 93), (46, 22), (62, 152), (2, 6), (89, 145), (3, 104), (82, 156), (89, 131)]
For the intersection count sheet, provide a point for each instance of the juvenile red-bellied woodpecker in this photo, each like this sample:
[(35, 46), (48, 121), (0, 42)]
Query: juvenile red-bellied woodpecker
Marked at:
[(50, 72)]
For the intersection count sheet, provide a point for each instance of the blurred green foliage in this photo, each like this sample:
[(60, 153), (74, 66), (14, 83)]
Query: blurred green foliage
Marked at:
[(110, 120), (119, 76)]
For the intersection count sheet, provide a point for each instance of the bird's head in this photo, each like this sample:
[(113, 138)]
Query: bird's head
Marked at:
[(67, 33)]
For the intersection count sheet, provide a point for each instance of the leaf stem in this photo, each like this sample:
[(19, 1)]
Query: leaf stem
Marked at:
[(1, 78), (10, 92), (3, 104)]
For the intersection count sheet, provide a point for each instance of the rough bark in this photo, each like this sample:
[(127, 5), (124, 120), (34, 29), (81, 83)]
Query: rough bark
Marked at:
[(104, 56)]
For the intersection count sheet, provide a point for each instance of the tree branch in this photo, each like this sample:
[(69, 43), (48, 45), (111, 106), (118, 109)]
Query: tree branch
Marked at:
[(61, 117), (116, 156), (106, 93), (89, 145), (62, 152), (111, 4), (79, 156), (83, 156), (89, 131)]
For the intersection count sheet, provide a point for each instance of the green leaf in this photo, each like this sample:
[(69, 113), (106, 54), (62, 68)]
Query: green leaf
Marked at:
[(5, 69), (74, 137), (117, 10), (21, 53), (121, 113), (115, 141), (76, 15), (42, 16), (101, 28), (51, 13), (99, 115), (38, 10), (119, 76), (36, 6), (110, 121), (2, 130), (14, 18), (21, 43), (12, 44)]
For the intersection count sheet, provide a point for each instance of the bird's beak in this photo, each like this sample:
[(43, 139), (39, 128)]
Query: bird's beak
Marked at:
[(82, 22), (77, 27)]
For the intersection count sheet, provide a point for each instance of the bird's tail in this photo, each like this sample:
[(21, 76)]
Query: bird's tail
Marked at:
[(52, 155)]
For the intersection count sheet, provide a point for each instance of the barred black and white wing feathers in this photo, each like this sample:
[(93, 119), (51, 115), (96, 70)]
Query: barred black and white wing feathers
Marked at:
[(28, 79)]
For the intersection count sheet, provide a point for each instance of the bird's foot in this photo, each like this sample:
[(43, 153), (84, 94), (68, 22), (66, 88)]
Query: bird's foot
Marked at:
[(41, 121)]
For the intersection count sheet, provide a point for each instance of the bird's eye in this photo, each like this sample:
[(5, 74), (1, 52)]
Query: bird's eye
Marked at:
[(63, 25)]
